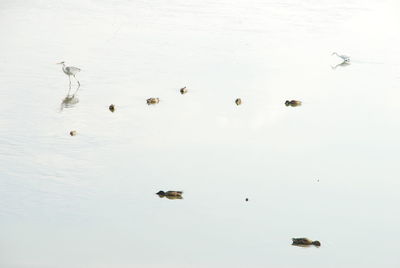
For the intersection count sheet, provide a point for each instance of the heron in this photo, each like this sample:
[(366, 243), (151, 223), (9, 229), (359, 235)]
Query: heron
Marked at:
[(70, 70), (343, 57)]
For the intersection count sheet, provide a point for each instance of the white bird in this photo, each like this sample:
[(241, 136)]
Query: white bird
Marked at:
[(343, 57), (70, 70)]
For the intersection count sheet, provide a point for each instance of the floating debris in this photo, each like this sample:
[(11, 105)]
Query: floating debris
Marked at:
[(247, 199), (183, 90), (73, 133), (112, 108), (152, 101), (238, 101), (305, 242), (170, 194), (293, 103)]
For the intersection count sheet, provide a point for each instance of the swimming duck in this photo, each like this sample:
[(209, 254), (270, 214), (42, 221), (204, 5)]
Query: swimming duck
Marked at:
[(73, 133), (153, 101), (170, 193), (305, 242), (238, 101), (112, 107), (183, 90), (293, 103)]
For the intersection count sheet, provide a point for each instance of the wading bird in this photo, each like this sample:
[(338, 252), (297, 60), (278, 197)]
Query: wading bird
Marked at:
[(343, 57), (70, 70)]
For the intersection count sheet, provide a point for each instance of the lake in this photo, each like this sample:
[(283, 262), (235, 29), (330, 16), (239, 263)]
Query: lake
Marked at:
[(326, 170)]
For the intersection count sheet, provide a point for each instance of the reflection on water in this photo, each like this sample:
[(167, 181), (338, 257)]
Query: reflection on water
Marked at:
[(89, 201), (171, 197), (342, 64), (70, 101)]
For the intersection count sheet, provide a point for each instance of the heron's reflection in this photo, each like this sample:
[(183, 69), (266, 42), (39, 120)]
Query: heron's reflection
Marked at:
[(342, 64), (70, 101)]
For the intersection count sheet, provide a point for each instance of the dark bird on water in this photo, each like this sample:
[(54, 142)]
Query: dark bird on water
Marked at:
[(305, 242), (170, 193), (183, 90), (293, 103), (152, 101), (112, 107)]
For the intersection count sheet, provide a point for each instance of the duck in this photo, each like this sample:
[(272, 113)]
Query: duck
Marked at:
[(152, 101), (183, 90), (238, 101), (112, 107), (293, 103), (343, 57), (305, 242), (169, 193), (73, 133)]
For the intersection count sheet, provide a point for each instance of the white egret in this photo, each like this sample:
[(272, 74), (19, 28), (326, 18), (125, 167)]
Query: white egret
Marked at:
[(70, 70), (343, 57)]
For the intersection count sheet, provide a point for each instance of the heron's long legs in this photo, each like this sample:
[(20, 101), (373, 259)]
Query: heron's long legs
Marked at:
[(77, 81), (69, 82), (69, 90)]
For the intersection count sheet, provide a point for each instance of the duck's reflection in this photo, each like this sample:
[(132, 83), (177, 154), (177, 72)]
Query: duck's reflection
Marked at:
[(342, 64), (171, 197), (69, 101)]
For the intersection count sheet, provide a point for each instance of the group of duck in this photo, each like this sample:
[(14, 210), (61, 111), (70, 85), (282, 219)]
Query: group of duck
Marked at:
[(72, 71), (300, 242)]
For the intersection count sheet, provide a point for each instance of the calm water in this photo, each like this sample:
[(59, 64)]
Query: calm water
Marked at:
[(327, 170)]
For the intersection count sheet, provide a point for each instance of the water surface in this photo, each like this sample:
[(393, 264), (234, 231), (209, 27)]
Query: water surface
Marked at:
[(327, 170)]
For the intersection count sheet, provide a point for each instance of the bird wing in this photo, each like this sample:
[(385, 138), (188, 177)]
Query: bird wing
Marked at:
[(72, 69)]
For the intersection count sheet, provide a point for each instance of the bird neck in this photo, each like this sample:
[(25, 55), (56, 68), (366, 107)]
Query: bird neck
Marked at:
[(63, 68)]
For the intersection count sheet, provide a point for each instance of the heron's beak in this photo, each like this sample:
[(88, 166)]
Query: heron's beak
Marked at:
[(59, 63)]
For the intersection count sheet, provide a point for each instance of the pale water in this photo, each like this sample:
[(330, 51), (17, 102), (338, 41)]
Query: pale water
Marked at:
[(328, 170)]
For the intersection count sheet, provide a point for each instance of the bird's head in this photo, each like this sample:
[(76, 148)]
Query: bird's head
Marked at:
[(334, 53), (316, 243), (161, 193)]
